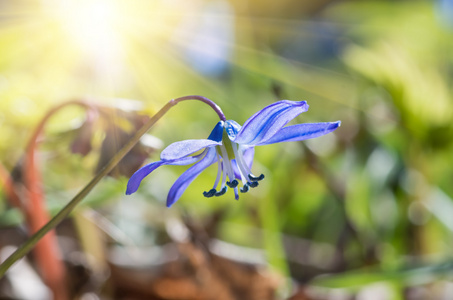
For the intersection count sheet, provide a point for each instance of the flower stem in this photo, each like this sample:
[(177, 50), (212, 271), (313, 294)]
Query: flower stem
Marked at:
[(47, 251), (209, 102), (67, 209)]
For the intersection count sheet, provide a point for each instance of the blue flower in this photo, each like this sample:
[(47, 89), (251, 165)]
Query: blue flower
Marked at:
[(232, 148)]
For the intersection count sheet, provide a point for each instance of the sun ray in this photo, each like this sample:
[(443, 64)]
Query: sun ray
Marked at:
[(119, 41), (148, 51), (306, 74)]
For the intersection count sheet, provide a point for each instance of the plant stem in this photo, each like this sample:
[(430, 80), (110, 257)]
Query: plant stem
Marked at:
[(67, 209), (207, 101), (46, 251)]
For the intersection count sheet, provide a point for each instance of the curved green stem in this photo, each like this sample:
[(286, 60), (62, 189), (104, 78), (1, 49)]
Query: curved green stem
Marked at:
[(66, 210)]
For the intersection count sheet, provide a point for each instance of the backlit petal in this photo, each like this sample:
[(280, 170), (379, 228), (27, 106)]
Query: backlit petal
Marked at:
[(248, 155), (232, 129), (183, 148), (301, 132), (237, 174), (140, 174), (188, 176), (268, 121)]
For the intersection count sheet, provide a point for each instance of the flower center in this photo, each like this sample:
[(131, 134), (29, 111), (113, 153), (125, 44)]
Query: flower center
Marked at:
[(231, 163)]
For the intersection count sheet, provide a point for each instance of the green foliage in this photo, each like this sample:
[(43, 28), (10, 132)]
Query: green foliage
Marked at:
[(375, 192)]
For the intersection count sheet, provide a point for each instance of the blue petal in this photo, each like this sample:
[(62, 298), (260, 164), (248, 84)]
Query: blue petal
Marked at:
[(217, 132), (302, 132), (137, 177), (183, 148), (236, 171), (188, 176), (268, 121), (232, 129), (248, 155)]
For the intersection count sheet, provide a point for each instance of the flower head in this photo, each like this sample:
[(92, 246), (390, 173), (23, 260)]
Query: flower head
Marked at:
[(231, 146)]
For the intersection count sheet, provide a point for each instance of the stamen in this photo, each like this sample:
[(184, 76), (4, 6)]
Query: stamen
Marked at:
[(254, 178), (239, 162), (247, 171), (232, 184), (209, 194), (219, 171), (221, 192), (236, 195), (227, 163), (241, 158), (245, 188), (253, 184), (223, 176)]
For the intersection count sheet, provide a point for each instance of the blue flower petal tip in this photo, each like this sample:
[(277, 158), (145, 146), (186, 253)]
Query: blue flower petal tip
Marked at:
[(231, 146), (333, 126)]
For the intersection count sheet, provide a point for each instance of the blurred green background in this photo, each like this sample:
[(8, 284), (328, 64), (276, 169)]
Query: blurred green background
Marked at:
[(371, 203)]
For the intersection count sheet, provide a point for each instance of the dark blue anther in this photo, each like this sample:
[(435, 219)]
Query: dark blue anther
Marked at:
[(254, 178), (220, 193), (245, 188), (253, 184), (209, 194), (232, 184)]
